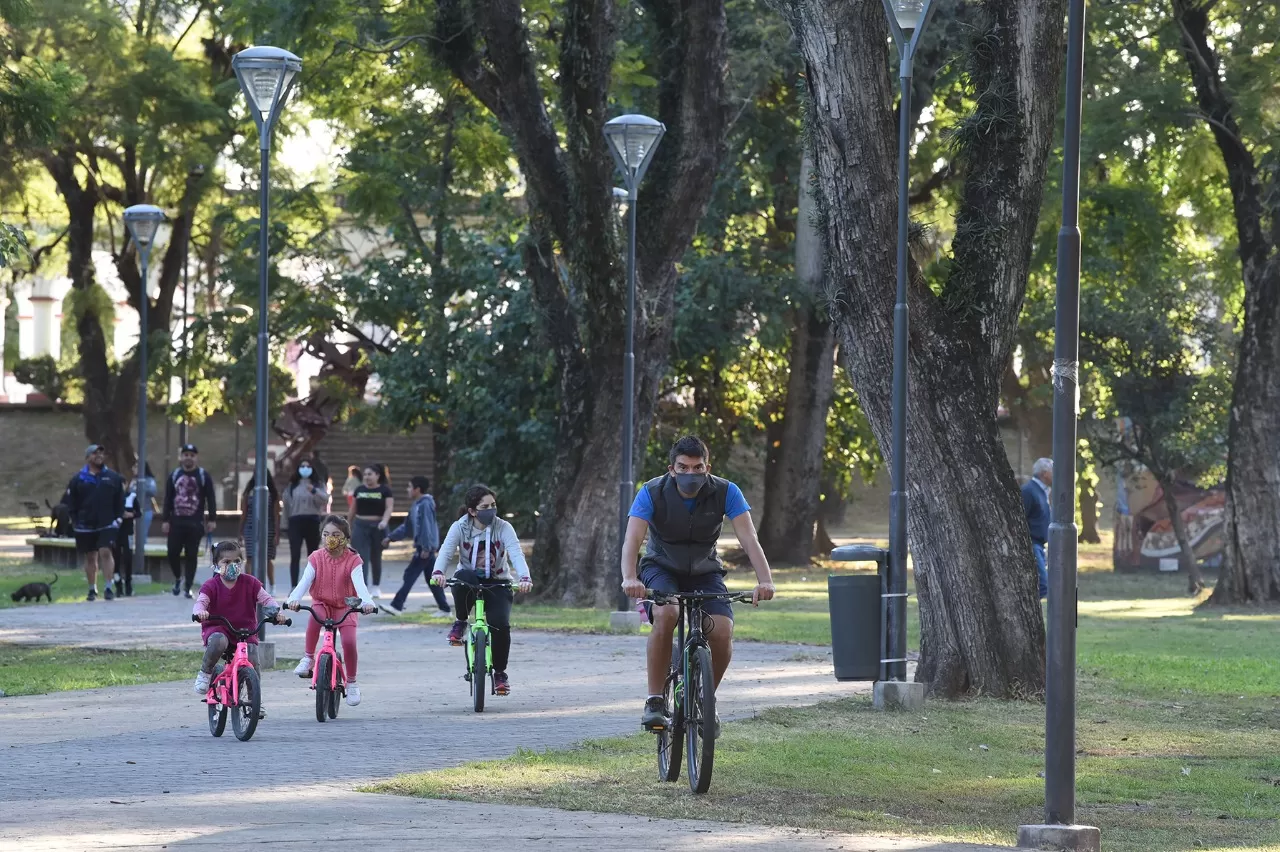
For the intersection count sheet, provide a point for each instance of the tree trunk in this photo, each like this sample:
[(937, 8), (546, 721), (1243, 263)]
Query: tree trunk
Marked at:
[(981, 625), (1088, 514), (1186, 554), (1251, 567), (573, 253), (793, 480)]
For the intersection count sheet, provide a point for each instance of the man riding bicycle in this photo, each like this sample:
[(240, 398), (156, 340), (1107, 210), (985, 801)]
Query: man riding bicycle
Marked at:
[(683, 512)]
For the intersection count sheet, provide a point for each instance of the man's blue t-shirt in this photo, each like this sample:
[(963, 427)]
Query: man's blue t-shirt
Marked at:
[(735, 504)]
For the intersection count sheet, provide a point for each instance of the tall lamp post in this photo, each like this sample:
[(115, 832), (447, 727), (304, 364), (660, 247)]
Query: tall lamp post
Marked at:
[(143, 221), (1059, 828), (195, 174), (633, 139), (907, 21), (266, 76)]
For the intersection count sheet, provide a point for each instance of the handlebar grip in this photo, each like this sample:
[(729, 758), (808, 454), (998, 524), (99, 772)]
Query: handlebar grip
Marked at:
[(288, 622), (193, 618)]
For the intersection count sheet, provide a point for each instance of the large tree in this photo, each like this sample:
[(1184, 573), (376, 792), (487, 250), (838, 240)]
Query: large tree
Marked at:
[(981, 628), (143, 108), (1230, 57), (555, 123)]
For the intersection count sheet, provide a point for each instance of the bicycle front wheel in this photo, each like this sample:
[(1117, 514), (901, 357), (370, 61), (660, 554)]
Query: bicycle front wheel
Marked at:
[(244, 717), (480, 670), (700, 719), (217, 712), (671, 739), (324, 673)]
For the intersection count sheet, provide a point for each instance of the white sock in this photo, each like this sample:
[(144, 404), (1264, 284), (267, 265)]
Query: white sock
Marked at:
[(655, 696)]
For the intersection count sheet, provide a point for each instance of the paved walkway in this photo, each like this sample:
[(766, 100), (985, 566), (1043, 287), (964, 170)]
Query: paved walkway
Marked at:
[(135, 767)]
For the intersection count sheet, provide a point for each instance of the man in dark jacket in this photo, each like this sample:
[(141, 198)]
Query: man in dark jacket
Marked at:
[(95, 498), (1035, 502), (188, 501), (683, 512)]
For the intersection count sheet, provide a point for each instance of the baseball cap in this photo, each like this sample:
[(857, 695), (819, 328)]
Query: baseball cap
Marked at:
[(188, 448), (93, 448)]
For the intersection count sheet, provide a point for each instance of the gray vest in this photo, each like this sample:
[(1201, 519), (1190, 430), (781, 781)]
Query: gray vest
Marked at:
[(681, 542)]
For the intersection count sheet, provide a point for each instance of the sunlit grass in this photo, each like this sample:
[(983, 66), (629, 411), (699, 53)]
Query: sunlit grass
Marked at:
[(1178, 737), (70, 587), (33, 670)]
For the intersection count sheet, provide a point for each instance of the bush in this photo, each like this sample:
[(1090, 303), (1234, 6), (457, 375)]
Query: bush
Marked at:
[(43, 375)]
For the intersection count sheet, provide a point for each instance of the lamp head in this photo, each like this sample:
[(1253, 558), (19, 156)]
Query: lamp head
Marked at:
[(633, 139)]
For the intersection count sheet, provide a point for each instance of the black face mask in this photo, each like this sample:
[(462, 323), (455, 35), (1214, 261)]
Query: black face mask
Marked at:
[(486, 516), (690, 483)]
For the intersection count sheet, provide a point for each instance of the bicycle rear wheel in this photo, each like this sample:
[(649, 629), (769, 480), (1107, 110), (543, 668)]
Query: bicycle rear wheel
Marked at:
[(217, 712), (324, 672), (671, 739), (244, 717), (700, 719), (480, 671)]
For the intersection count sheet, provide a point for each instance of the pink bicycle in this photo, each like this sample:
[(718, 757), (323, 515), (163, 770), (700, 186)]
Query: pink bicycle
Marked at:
[(328, 678), (236, 684)]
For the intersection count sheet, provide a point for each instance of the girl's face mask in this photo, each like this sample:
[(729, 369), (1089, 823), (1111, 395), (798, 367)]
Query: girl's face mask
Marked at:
[(335, 542), (230, 570)]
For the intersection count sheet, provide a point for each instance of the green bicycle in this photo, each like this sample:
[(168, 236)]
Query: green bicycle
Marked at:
[(476, 645)]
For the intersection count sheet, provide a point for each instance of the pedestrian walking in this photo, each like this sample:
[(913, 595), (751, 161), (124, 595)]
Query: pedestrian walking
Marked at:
[(423, 529), (304, 503), (95, 498), (1035, 502), (190, 510)]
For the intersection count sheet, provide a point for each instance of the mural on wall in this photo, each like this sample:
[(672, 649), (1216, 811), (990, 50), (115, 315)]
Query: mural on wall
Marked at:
[(1144, 538)]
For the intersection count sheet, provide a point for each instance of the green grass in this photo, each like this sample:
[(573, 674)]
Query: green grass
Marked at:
[(71, 585), (38, 669), (1178, 732)]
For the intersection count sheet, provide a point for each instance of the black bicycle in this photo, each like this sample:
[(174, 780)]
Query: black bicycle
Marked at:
[(690, 691)]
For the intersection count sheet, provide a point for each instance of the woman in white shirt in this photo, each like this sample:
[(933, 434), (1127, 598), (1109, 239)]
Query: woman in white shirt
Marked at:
[(482, 548)]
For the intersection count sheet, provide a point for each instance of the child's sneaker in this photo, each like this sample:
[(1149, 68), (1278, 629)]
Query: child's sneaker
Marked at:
[(455, 635), (303, 669), (201, 685), (353, 694)]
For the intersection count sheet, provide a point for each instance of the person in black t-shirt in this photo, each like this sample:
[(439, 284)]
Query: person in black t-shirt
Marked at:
[(369, 517), (190, 510)]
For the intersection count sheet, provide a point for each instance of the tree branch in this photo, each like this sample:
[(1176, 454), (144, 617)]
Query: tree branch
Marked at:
[(932, 184)]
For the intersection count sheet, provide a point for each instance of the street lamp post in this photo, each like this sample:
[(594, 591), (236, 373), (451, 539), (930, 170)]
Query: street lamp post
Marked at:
[(1059, 828), (633, 139), (143, 221), (266, 76), (194, 175), (907, 21)]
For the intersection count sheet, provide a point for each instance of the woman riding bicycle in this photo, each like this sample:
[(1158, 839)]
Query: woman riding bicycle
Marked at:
[(482, 549), (235, 596), (333, 574)]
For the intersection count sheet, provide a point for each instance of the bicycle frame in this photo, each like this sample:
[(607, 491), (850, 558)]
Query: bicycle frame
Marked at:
[(691, 614)]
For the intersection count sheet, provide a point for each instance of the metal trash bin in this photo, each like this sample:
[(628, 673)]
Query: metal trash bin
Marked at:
[(856, 606)]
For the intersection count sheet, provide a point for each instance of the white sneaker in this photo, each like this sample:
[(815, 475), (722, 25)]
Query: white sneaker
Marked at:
[(271, 589), (201, 686), (442, 614), (391, 609), (376, 592), (303, 669), (353, 695)]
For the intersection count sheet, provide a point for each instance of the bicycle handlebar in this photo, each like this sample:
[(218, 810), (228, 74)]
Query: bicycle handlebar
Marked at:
[(243, 634), (329, 622), (454, 582), (663, 598)]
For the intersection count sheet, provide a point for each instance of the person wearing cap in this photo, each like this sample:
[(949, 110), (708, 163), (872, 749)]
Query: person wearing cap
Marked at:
[(190, 510), (95, 498)]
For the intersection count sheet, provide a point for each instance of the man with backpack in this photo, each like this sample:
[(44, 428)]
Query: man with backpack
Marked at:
[(190, 509)]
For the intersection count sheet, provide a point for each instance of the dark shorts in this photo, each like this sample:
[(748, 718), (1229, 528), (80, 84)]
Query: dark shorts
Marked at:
[(88, 542), (659, 579)]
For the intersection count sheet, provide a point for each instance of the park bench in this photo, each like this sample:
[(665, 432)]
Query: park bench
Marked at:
[(61, 553)]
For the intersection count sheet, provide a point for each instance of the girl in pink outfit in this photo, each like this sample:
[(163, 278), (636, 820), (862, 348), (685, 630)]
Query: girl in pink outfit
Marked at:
[(233, 595), (333, 574)]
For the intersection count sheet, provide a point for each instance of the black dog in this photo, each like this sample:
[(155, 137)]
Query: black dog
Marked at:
[(35, 591)]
